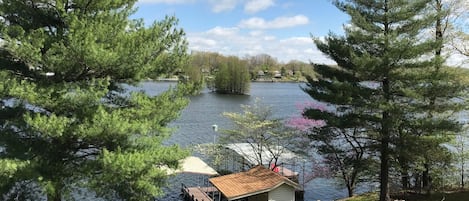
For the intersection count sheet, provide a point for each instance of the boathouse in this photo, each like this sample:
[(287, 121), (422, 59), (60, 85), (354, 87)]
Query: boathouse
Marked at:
[(256, 184), (250, 157), (193, 165)]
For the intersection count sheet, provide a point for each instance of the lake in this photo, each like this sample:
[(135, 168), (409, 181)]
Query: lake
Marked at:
[(194, 126)]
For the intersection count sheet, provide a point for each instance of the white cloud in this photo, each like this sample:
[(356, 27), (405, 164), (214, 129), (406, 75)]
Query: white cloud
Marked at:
[(205, 42), (277, 23), (218, 6), (256, 33), (269, 38), (165, 1), (254, 6), (223, 5), (223, 31), (309, 51), (231, 41), (298, 41)]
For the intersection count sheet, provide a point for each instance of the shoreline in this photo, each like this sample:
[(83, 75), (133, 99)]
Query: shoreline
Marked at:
[(263, 81)]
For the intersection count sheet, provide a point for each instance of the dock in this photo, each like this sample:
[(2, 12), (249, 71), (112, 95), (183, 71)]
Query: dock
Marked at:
[(196, 193)]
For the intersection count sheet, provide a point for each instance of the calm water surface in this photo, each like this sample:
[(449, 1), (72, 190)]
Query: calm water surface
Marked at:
[(195, 127)]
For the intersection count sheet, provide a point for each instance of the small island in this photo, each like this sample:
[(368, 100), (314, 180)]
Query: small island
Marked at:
[(232, 75)]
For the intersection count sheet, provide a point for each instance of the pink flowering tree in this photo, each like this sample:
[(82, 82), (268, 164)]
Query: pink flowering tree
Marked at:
[(304, 126), (303, 123), (343, 149)]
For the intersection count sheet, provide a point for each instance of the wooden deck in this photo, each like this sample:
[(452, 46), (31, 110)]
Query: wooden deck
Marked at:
[(196, 193)]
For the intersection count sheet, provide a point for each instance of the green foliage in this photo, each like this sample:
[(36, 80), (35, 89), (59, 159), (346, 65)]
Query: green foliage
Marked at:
[(208, 63), (387, 87), (10, 167), (133, 174), (67, 119), (192, 77), (461, 155), (232, 77), (256, 126)]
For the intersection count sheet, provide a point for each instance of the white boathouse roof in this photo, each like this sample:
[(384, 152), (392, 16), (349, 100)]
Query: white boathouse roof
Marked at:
[(249, 153), (193, 165)]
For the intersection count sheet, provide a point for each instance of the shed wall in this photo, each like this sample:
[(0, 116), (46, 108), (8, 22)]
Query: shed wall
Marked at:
[(282, 193)]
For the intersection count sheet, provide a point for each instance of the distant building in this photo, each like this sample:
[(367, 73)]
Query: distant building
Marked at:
[(260, 74), (205, 71), (277, 74)]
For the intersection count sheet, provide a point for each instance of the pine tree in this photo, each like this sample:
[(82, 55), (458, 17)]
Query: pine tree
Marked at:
[(67, 120), (423, 135), (384, 75)]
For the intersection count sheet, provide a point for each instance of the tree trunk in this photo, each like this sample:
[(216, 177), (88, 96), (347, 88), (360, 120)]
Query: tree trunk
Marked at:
[(384, 149), (418, 182), (462, 175), (403, 163), (350, 189), (462, 162), (405, 179), (426, 184), (384, 173)]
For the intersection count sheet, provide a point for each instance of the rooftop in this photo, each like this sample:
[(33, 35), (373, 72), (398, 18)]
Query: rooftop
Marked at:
[(193, 165), (252, 182), (247, 151)]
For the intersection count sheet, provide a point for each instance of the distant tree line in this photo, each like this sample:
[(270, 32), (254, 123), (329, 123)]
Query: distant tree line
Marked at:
[(231, 74), (259, 66)]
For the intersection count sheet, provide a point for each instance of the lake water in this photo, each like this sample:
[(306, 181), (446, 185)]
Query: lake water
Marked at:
[(195, 127)]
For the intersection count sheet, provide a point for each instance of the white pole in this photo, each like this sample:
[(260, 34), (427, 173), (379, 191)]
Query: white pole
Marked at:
[(215, 128)]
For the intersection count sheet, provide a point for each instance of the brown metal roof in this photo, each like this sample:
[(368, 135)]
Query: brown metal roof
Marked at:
[(255, 181)]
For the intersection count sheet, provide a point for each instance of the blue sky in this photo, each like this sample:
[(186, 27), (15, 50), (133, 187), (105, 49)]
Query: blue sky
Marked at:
[(279, 28)]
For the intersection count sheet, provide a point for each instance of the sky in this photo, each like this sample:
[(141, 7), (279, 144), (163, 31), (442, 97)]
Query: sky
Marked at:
[(282, 29)]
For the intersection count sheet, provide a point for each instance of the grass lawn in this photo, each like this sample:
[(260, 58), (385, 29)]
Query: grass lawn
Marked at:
[(438, 196)]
